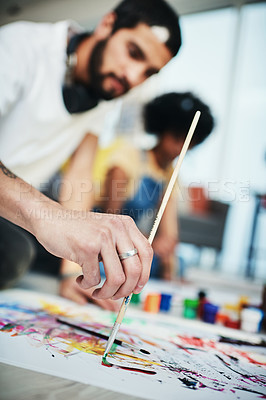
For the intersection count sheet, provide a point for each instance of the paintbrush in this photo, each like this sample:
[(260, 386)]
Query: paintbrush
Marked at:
[(166, 196), (76, 325)]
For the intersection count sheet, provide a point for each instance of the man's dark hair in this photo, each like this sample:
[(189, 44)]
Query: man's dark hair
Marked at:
[(152, 13), (174, 112)]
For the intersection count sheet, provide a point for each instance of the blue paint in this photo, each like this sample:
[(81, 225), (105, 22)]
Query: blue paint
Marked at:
[(18, 307), (209, 313), (165, 304)]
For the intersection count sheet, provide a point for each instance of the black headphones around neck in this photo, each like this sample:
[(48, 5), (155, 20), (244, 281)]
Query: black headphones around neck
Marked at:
[(77, 96)]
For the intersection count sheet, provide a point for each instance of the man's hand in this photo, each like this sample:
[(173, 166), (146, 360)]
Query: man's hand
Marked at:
[(69, 289), (81, 237), (84, 237)]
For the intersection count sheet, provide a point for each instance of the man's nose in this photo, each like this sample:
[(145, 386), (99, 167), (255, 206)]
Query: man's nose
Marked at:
[(135, 74)]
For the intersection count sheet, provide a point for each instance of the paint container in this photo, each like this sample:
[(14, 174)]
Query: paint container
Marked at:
[(244, 301), (135, 299), (190, 308), (152, 302), (232, 323), (232, 310), (251, 319), (209, 312), (221, 318), (202, 300), (165, 303)]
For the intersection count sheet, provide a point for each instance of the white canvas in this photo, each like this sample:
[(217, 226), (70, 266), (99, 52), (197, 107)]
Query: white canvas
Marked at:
[(183, 362)]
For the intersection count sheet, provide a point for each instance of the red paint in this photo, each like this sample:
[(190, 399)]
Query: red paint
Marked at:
[(107, 365), (193, 341)]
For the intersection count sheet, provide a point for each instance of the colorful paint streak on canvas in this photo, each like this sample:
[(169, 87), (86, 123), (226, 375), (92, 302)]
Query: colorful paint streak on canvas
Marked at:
[(180, 361)]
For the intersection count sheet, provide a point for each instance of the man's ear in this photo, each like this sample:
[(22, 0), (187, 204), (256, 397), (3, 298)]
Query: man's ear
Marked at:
[(105, 27)]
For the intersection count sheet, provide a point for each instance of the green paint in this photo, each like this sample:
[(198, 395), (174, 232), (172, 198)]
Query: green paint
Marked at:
[(20, 332), (190, 308), (112, 350), (126, 320), (8, 327), (135, 299), (105, 362)]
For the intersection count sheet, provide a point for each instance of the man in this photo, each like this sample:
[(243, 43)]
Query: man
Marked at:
[(51, 75)]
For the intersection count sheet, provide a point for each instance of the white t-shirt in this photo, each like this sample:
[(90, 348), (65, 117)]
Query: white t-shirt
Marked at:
[(37, 134)]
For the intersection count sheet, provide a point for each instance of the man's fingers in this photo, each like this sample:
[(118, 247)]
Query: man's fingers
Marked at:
[(121, 276), (117, 235), (133, 269), (115, 276), (91, 273), (145, 254), (132, 265), (126, 275)]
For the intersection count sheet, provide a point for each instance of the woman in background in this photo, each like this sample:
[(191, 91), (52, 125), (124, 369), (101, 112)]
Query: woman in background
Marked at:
[(136, 179)]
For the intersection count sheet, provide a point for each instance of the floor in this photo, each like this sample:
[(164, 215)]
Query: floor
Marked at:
[(21, 384)]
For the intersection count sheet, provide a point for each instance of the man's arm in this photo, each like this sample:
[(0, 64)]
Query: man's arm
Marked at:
[(80, 236)]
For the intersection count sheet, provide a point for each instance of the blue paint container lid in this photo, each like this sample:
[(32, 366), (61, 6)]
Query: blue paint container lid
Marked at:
[(165, 304), (209, 312)]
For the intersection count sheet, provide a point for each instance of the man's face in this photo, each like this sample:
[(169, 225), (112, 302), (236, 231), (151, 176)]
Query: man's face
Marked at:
[(126, 59)]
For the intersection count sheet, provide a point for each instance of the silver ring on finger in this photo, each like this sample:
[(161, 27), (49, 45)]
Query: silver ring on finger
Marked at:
[(127, 254)]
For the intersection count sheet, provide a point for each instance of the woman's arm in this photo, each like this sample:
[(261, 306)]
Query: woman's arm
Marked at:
[(76, 189), (116, 184), (166, 240), (76, 193)]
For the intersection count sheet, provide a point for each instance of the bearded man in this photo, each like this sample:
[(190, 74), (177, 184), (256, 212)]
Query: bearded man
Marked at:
[(52, 76)]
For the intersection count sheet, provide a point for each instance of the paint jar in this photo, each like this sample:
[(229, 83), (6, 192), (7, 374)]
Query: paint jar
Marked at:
[(202, 300), (232, 323), (135, 299), (190, 308), (209, 312), (232, 310), (244, 301), (221, 318), (251, 319), (165, 303), (152, 302)]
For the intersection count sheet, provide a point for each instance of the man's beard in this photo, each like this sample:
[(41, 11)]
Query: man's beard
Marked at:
[(97, 79)]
